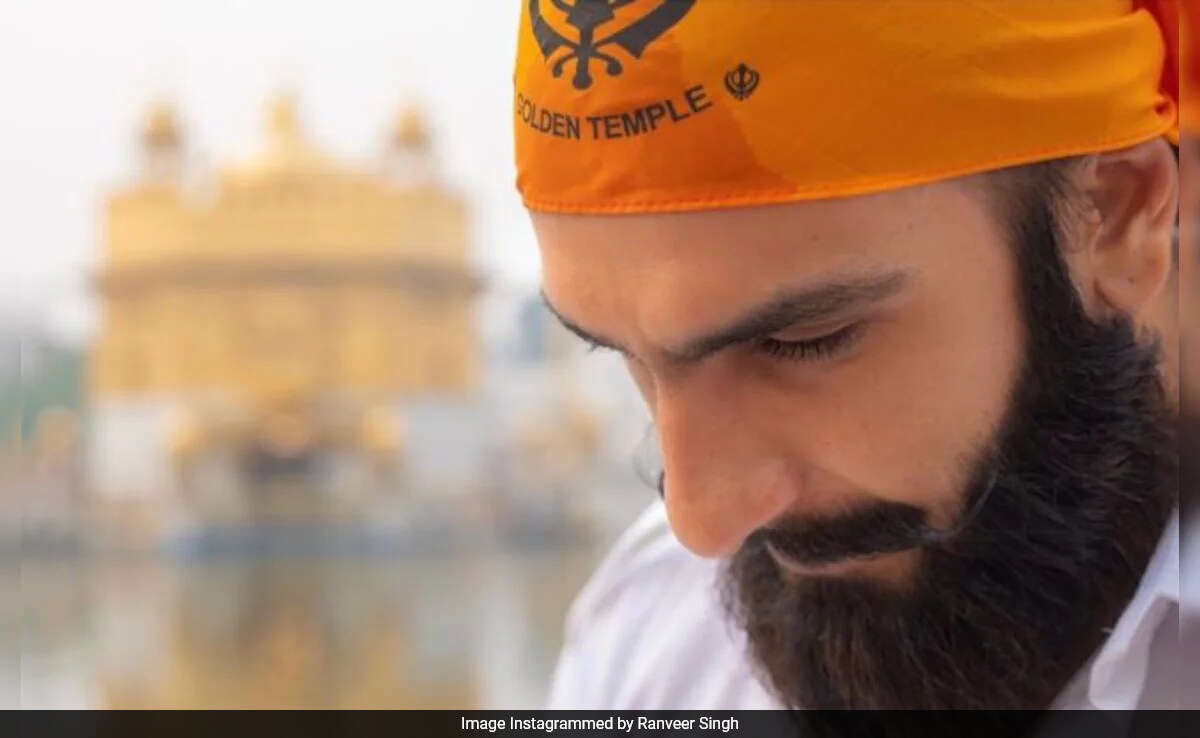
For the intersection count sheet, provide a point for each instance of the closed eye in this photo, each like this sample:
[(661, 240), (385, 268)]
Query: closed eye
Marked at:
[(813, 349)]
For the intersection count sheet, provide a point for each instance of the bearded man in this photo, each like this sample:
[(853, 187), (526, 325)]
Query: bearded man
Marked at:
[(881, 271)]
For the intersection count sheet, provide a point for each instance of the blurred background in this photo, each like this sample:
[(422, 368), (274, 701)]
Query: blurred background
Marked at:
[(283, 422)]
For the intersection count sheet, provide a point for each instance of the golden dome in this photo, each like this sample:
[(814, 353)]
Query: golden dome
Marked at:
[(161, 127), (411, 130), (287, 151), (283, 123)]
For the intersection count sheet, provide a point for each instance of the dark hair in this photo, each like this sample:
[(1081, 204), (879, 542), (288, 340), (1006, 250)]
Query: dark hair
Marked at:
[(1034, 188)]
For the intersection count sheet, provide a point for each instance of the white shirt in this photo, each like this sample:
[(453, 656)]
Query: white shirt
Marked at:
[(648, 632), (1189, 598)]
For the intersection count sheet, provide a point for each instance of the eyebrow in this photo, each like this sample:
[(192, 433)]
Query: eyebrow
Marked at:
[(787, 309)]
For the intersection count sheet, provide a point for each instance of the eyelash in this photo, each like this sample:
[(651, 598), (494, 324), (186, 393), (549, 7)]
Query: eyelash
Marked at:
[(814, 349)]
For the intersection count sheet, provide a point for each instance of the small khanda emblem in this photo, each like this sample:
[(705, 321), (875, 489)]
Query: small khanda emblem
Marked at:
[(591, 21), (741, 81)]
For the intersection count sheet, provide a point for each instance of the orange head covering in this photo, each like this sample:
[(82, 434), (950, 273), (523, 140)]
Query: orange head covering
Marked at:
[(1189, 34), (626, 106)]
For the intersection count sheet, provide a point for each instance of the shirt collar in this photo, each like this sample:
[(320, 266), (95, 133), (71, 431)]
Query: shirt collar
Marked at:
[(1118, 672)]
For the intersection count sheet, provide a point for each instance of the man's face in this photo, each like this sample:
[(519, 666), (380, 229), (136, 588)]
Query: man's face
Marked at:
[(944, 510), (806, 361)]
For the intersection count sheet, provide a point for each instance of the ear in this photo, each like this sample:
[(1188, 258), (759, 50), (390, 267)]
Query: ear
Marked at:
[(1133, 195)]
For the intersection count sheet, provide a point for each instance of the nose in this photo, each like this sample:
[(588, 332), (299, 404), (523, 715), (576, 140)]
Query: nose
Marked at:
[(724, 478)]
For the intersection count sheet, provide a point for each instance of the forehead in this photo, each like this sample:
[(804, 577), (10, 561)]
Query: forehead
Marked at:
[(700, 266)]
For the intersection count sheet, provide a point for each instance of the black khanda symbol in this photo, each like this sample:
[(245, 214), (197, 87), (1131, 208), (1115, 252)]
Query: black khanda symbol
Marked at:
[(588, 16), (741, 81)]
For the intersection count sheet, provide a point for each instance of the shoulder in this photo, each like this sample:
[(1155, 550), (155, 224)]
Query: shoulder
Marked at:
[(645, 555), (648, 631)]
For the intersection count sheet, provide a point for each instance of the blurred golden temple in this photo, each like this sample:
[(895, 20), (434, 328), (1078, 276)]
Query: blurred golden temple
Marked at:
[(270, 322)]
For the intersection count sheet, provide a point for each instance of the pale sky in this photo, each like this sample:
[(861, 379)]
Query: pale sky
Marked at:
[(77, 75)]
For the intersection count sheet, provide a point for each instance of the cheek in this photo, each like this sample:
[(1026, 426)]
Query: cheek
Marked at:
[(910, 411), (943, 395)]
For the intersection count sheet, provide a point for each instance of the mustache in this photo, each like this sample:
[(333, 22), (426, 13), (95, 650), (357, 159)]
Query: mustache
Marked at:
[(876, 530), (880, 529)]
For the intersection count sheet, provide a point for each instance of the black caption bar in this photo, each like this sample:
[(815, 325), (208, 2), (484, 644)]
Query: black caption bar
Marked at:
[(584, 724)]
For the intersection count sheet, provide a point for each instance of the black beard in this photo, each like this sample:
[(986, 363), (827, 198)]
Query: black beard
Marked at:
[(1002, 615)]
